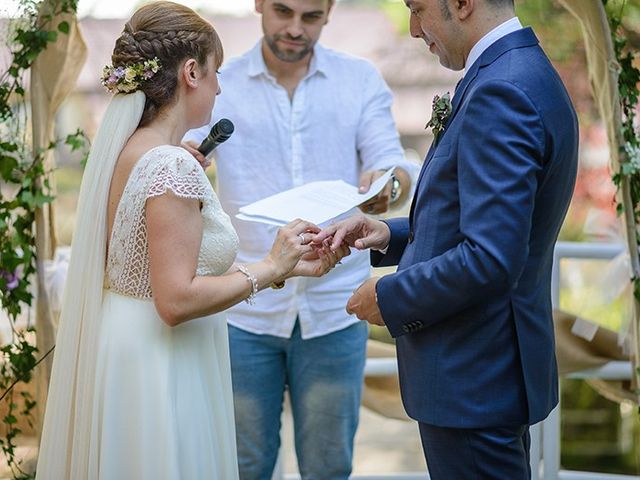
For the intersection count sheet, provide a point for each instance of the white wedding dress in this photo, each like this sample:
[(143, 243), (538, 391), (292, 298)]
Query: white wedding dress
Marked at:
[(162, 405)]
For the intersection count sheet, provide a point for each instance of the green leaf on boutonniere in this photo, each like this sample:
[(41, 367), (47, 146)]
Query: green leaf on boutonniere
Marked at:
[(440, 113)]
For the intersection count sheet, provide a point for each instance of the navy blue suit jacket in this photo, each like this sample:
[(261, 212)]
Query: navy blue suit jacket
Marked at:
[(470, 304)]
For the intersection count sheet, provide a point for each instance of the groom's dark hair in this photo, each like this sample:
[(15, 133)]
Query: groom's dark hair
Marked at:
[(501, 3), (446, 12)]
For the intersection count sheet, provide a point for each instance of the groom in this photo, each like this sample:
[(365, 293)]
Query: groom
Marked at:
[(470, 304)]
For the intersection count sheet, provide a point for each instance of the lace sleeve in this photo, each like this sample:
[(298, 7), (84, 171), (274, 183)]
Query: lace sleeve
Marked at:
[(181, 174)]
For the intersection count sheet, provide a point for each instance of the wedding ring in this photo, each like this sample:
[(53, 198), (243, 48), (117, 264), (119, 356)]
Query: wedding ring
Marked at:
[(301, 235)]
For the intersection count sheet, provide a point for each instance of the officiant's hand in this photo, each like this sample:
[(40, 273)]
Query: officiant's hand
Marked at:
[(379, 203), (319, 261), (364, 303), (192, 148), (359, 232)]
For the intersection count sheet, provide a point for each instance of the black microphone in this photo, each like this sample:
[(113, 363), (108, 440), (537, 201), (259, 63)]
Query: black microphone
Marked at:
[(219, 133)]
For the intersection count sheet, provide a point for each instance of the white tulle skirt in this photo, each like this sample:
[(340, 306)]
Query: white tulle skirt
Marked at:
[(163, 402)]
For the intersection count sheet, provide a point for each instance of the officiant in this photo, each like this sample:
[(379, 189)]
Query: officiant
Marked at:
[(302, 113)]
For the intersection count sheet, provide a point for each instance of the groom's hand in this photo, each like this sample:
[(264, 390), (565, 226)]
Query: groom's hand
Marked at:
[(364, 303), (359, 232)]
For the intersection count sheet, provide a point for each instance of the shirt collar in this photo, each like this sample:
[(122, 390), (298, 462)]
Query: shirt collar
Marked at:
[(490, 38), (257, 66)]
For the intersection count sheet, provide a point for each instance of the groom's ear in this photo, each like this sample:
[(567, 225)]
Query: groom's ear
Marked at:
[(464, 8)]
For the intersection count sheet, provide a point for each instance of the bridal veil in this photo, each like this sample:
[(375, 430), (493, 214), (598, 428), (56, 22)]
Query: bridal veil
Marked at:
[(66, 436)]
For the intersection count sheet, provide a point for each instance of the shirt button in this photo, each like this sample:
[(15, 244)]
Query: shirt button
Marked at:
[(410, 239)]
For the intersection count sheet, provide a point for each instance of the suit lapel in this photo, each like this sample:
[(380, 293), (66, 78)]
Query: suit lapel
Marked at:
[(521, 38), (461, 89)]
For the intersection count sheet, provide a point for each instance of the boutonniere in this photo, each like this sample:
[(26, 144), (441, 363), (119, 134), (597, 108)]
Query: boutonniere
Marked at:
[(441, 110)]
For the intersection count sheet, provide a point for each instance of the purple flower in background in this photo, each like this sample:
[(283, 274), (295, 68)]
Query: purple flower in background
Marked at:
[(13, 279)]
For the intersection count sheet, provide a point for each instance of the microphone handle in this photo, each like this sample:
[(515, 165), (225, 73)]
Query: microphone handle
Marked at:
[(207, 145)]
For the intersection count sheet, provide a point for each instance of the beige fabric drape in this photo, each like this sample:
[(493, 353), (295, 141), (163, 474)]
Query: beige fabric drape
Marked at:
[(603, 75), (53, 75)]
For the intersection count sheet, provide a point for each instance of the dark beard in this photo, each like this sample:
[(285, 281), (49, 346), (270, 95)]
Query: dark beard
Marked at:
[(284, 56)]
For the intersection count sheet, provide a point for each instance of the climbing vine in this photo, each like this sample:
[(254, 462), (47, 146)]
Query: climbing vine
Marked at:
[(628, 81), (24, 188)]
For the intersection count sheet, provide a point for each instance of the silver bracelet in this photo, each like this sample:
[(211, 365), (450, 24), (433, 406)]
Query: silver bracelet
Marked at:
[(254, 284)]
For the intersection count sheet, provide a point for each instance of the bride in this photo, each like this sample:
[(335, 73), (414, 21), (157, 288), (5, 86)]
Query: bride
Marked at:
[(141, 383)]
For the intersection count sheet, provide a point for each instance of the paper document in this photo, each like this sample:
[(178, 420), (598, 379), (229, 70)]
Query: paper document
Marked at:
[(316, 202)]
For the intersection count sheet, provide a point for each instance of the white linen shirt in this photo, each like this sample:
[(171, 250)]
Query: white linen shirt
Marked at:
[(337, 125)]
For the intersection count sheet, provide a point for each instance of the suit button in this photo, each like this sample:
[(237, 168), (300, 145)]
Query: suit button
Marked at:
[(405, 329), (410, 239)]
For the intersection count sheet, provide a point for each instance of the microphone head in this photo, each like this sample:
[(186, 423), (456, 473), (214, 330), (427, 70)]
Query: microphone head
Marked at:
[(224, 127), (219, 133)]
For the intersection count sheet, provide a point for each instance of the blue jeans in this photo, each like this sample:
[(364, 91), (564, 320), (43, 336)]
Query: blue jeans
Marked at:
[(324, 376)]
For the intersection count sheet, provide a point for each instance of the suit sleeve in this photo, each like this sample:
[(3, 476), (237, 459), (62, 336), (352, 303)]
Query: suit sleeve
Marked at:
[(500, 156), (399, 228)]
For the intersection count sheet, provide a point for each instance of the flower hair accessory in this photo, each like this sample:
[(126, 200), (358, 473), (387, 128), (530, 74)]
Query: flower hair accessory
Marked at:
[(441, 110), (128, 79)]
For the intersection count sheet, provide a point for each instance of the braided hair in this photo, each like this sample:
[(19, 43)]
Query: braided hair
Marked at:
[(172, 33)]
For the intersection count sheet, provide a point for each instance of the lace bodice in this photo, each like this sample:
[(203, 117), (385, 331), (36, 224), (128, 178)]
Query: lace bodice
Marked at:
[(160, 169)]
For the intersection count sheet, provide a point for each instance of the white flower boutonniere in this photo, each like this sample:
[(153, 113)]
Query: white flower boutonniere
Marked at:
[(440, 113)]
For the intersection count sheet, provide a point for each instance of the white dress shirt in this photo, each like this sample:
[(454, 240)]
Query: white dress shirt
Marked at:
[(490, 38), (337, 125)]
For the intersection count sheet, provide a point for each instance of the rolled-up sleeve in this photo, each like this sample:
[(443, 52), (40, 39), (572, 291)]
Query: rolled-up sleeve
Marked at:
[(377, 140)]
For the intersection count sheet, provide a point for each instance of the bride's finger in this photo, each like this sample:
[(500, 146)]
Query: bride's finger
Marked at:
[(305, 227), (292, 224)]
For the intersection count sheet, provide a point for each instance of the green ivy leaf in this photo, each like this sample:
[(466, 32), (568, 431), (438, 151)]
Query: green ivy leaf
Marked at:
[(7, 165), (63, 27), (41, 199), (75, 140)]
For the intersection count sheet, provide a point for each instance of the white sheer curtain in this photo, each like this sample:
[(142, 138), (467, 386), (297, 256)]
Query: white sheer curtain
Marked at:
[(67, 435)]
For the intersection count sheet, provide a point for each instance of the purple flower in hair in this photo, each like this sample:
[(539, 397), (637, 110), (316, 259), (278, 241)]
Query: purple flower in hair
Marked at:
[(127, 79)]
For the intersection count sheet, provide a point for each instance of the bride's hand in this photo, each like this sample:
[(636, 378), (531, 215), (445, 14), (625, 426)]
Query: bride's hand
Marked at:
[(291, 243), (319, 261)]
